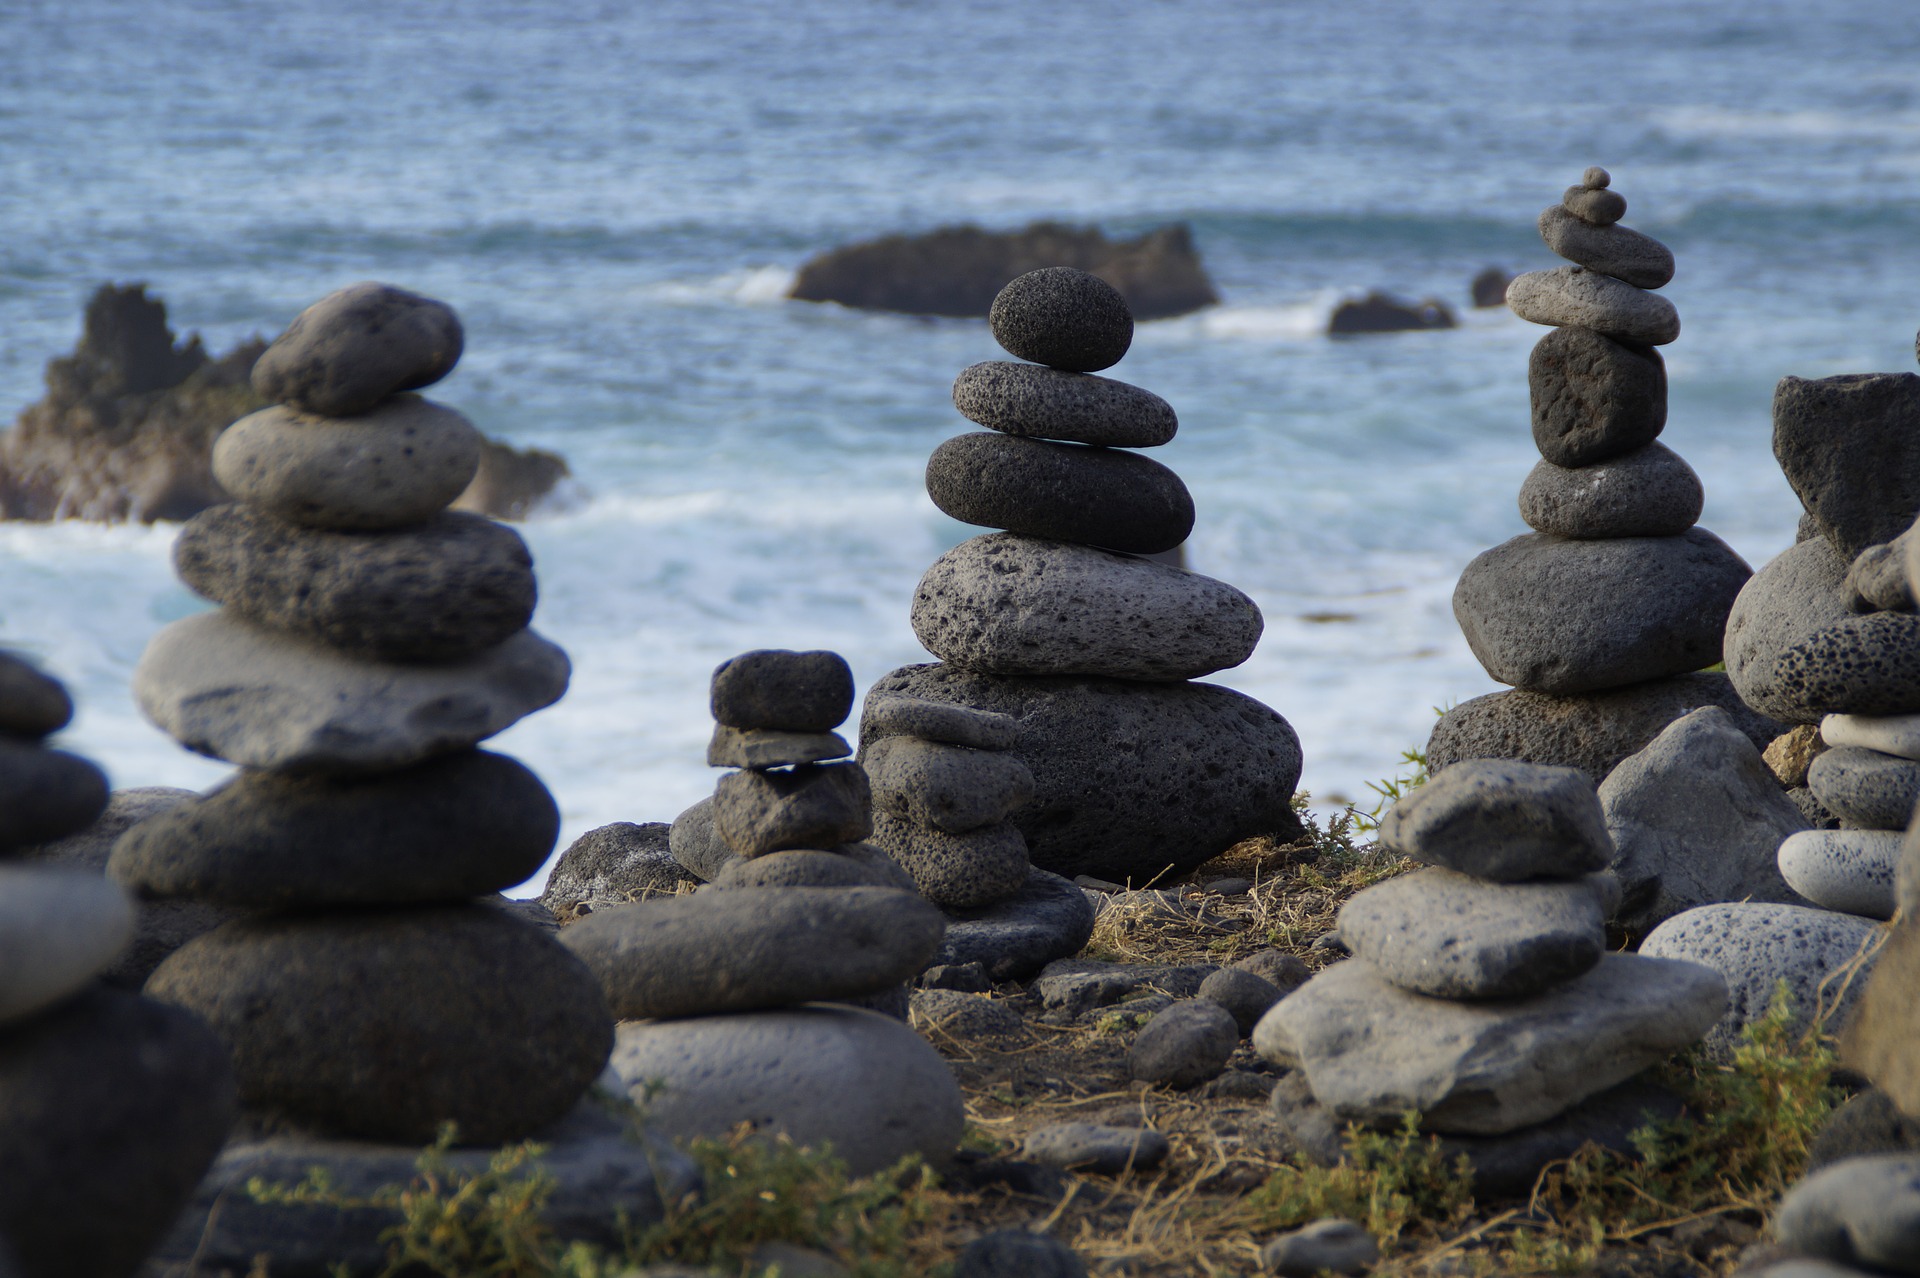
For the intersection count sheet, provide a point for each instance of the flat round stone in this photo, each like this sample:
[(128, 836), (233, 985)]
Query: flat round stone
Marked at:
[(46, 794), (1851, 871), (1068, 492), (32, 704), (772, 748), (783, 691), (1639, 260), (890, 714), (1575, 295), (1649, 492), (1865, 787), (950, 788), (59, 928), (1051, 403), (1047, 919), (404, 461), (1063, 318), (354, 347), (961, 871), (849, 865), (1593, 397), (448, 588)]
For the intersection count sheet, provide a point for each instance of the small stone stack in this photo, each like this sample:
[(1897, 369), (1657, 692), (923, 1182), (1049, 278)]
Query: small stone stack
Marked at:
[(1869, 778), (369, 640), (1601, 616), (111, 1105), (1481, 993)]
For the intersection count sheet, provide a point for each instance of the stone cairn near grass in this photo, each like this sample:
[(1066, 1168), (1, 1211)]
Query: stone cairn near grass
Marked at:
[(1481, 994), (726, 996), (1601, 617), (1074, 648), (111, 1105)]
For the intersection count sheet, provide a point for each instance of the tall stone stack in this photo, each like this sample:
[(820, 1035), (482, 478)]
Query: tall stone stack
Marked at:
[(111, 1105), (1601, 617), (368, 640), (1061, 624)]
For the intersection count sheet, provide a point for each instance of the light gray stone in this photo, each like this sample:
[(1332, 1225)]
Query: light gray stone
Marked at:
[(695, 844), (1245, 995), (893, 715), (1013, 605), (403, 462), (1649, 492), (950, 788), (1871, 790), (1846, 870), (1897, 735), (225, 687), (1572, 295), (961, 871), (869, 1085), (358, 345), (1502, 820), (1372, 1051), (1095, 1148), (816, 805), (772, 748), (1798, 594), (1639, 260), (1331, 1244), (59, 928), (1047, 919), (1697, 817), (849, 865), (1051, 403), (1595, 207), (1864, 1211)]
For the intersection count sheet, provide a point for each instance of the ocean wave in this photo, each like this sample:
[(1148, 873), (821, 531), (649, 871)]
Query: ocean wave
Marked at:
[(1707, 122), (747, 286)]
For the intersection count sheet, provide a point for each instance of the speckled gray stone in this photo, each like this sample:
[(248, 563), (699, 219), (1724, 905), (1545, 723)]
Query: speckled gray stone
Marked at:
[(1850, 448), (1096, 1149), (1012, 605), (1851, 871), (784, 690), (1872, 790), (32, 704), (695, 844), (1649, 492), (1798, 594), (1050, 403), (1861, 665), (950, 788), (1069, 492), (1594, 398), (356, 346), (890, 714), (1572, 295), (611, 865), (1502, 820), (1062, 318), (1865, 1211), (964, 871), (816, 805), (1639, 260)]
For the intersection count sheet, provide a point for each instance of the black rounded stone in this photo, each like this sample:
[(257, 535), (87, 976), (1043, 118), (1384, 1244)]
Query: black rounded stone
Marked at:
[(1050, 403), (1649, 492), (46, 794), (1594, 397), (353, 348), (32, 704), (387, 1024), (1063, 318), (1065, 492), (782, 690), (445, 589), (459, 826)]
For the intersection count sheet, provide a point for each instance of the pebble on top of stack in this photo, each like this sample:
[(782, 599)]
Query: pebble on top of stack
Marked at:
[(1077, 647), (714, 990), (111, 1105), (369, 640), (1601, 617)]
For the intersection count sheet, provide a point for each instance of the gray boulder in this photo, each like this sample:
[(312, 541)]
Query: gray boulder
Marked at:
[(1593, 397), (1574, 296), (1063, 492), (816, 805), (784, 690), (1502, 820), (1864, 1211), (1051, 403), (1649, 492), (696, 845), (1872, 790), (1184, 1045), (1847, 870), (1095, 1148), (358, 345), (962, 871), (1850, 447), (1639, 260), (1797, 595), (950, 788), (611, 865), (1047, 919)]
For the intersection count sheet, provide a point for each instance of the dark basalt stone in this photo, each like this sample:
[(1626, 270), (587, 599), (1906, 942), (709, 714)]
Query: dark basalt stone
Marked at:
[(784, 691), (1594, 397), (1066, 492), (353, 348), (1063, 318), (1850, 447), (1049, 403)]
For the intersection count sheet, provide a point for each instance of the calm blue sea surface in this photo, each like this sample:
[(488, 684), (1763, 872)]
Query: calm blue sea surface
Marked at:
[(615, 197)]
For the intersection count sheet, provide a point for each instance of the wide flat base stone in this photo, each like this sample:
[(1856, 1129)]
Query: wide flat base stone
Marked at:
[(1047, 919)]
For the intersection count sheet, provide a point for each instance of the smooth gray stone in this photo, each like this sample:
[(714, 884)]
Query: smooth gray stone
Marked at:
[(1131, 780), (1594, 398), (1572, 295), (1639, 260), (356, 346), (111, 1108), (1047, 919), (1441, 933), (1851, 871), (892, 715), (1897, 735), (1372, 1051), (226, 687), (403, 462), (771, 748), (1796, 596), (1184, 1045), (611, 865), (1592, 731), (385, 1024), (1877, 578), (1649, 492), (1065, 492), (458, 826), (783, 690), (451, 587), (1867, 1123), (46, 794), (1595, 207), (950, 788), (961, 871), (1850, 448), (1050, 403), (1755, 945), (59, 928), (1862, 665), (1864, 1211), (1558, 616), (1872, 790), (1328, 1245), (1063, 318), (868, 1084), (849, 865), (1502, 820), (816, 805), (32, 704), (1245, 995), (1017, 1253), (1012, 605), (956, 1014), (1696, 817), (1096, 1149), (696, 845), (1079, 986), (750, 948)]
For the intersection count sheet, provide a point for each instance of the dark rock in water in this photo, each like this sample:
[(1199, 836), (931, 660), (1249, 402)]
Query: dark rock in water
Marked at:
[(816, 805), (959, 270), (612, 865), (696, 845), (1049, 403), (32, 704), (46, 794), (1068, 492), (1063, 318), (1048, 919), (786, 691), (1796, 596), (1383, 313), (1489, 287), (354, 347), (1649, 492), (111, 1108), (1594, 397), (448, 588), (1131, 780), (386, 1024), (1593, 731), (1850, 446)]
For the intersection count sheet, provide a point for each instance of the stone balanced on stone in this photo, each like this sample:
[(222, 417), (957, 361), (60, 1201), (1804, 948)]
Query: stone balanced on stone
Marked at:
[(1601, 616), (1481, 994), (726, 996), (369, 640), (1062, 625), (111, 1105)]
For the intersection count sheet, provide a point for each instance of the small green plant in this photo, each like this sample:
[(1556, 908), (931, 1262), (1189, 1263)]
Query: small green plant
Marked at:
[(1387, 1181), (1411, 775)]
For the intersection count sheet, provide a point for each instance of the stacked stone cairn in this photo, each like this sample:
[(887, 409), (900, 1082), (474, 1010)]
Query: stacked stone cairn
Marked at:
[(1093, 746), (1601, 617), (743, 1002), (1480, 993), (111, 1105)]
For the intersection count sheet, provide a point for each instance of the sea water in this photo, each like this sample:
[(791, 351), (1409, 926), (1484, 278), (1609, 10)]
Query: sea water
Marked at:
[(615, 197)]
